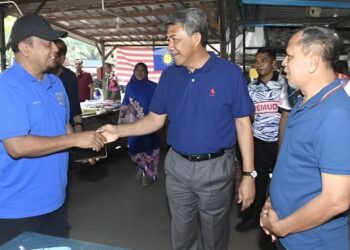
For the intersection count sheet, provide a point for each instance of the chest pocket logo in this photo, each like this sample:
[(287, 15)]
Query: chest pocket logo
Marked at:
[(60, 98)]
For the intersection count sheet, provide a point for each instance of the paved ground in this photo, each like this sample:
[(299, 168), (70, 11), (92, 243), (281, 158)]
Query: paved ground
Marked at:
[(107, 206)]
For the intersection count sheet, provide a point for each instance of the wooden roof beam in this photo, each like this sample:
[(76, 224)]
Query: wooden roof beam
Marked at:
[(98, 17), (121, 26), (72, 7)]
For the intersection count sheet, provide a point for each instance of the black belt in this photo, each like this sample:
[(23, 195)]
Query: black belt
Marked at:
[(203, 157)]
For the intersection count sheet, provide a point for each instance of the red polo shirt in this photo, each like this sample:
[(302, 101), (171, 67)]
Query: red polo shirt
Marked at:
[(84, 82)]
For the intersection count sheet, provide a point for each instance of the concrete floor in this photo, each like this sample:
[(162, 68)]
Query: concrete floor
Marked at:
[(107, 206)]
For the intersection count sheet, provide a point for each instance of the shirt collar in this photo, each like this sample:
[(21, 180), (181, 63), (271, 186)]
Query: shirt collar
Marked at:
[(207, 64), (320, 96), (274, 78), (23, 73), (27, 77)]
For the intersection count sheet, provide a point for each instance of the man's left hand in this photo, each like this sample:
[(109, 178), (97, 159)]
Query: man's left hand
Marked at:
[(246, 193), (270, 222)]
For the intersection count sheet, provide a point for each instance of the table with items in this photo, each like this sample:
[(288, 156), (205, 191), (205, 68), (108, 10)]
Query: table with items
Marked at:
[(98, 113), (35, 241)]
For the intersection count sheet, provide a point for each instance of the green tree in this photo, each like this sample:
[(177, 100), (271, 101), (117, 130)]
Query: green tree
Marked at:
[(76, 49), (9, 20)]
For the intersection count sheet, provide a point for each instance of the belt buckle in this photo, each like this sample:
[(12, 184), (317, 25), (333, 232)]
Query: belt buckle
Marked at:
[(194, 158)]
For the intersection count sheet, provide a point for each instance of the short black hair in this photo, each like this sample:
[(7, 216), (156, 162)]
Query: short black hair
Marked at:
[(269, 51), (341, 66), (61, 46)]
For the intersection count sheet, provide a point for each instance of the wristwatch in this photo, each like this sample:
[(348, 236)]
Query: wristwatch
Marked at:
[(253, 174)]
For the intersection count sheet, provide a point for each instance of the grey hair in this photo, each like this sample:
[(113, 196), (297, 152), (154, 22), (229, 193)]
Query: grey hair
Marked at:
[(193, 20), (14, 46), (327, 39)]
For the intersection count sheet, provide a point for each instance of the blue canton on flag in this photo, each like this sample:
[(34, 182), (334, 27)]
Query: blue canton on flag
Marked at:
[(156, 59), (161, 58)]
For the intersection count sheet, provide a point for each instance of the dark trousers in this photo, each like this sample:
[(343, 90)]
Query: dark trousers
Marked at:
[(265, 155), (279, 246), (54, 223)]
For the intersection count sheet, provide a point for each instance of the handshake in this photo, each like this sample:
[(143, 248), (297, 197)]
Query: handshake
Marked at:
[(90, 145)]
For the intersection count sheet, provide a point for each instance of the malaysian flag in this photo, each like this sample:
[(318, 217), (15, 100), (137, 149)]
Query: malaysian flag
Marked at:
[(156, 59)]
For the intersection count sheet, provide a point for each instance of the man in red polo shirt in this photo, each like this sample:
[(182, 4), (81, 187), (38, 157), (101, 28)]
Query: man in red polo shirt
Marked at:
[(84, 81)]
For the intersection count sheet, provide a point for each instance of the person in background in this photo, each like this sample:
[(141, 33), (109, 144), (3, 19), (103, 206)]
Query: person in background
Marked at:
[(144, 150), (265, 93), (342, 70), (310, 186), (113, 92), (288, 99), (98, 90), (206, 101), (35, 135), (85, 82), (70, 84)]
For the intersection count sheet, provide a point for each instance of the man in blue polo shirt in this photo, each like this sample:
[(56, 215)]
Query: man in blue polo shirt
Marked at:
[(310, 188), (206, 101), (34, 135)]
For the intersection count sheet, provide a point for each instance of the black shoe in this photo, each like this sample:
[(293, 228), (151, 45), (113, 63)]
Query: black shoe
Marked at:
[(245, 226)]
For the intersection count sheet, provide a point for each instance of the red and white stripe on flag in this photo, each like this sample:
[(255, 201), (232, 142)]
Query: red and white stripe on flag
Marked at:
[(128, 57)]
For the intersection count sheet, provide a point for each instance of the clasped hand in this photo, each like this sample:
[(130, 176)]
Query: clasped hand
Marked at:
[(109, 132), (269, 221), (90, 139)]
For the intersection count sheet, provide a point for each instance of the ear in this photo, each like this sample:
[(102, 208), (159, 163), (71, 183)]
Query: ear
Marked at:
[(196, 38), (315, 61), (23, 47), (274, 63)]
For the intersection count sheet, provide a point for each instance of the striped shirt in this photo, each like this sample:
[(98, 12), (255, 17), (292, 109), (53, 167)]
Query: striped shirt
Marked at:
[(266, 98)]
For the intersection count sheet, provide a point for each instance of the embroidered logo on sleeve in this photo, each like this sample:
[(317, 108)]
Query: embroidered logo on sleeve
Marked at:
[(60, 98), (212, 92)]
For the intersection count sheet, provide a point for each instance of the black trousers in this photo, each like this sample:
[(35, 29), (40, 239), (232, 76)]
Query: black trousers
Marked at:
[(279, 246), (265, 155), (54, 223)]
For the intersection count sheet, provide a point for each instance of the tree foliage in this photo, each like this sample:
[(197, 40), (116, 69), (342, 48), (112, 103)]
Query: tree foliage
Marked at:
[(76, 49), (80, 50)]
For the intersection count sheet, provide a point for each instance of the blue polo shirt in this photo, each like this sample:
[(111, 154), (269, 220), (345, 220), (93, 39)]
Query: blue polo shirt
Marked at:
[(31, 186), (316, 141), (201, 106)]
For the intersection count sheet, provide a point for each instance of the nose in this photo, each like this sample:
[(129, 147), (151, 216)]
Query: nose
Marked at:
[(170, 44), (54, 47), (284, 62)]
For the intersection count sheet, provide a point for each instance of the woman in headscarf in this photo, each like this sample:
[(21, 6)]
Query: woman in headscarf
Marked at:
[(144, 150)]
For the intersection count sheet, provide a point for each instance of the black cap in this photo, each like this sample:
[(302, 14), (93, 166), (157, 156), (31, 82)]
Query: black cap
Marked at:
[(33, 25)]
